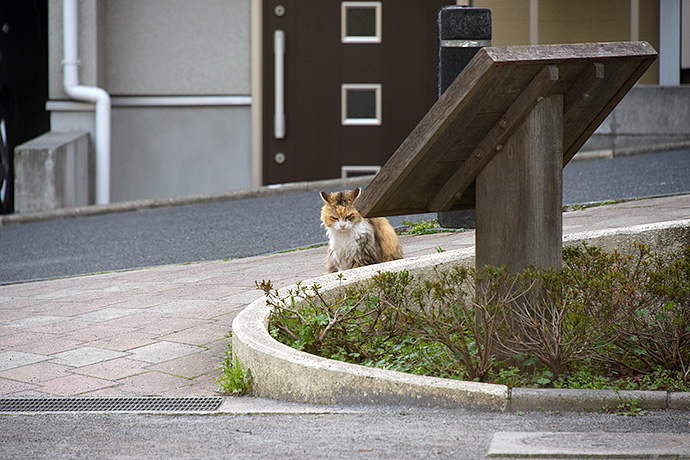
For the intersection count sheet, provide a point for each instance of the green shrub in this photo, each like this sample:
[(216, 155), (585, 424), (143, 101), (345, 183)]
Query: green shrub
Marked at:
[(605, 320)]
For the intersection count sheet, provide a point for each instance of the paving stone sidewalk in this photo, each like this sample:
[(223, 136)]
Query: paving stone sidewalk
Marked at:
[(164, 330), (157, 331)]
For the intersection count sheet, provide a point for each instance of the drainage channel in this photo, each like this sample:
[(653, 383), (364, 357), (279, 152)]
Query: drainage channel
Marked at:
[(114, 404)]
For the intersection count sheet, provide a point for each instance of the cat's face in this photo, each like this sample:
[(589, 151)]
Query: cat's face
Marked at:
[(338, 211)]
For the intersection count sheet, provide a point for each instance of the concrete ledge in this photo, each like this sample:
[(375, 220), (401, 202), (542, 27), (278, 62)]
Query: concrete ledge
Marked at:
[(328, 184), (648, 116), (584, 155), (52, 171), (663, 236), (679, 401), (566, 399), (281, 372), (126, 206), (588, 445)]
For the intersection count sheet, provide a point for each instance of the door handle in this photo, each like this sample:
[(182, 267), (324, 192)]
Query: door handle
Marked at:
[(279, 81)]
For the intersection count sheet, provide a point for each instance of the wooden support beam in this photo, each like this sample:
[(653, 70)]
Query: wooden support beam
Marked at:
[(580, 92), (444, 154), (415, 148), (519, 195), (493, 142), (630, 73)]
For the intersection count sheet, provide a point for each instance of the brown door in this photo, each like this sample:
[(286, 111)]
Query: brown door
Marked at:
[(344, 83)]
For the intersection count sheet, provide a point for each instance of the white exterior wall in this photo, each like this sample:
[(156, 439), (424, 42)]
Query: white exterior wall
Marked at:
[(190, 47), (178, 151), (178, 72)]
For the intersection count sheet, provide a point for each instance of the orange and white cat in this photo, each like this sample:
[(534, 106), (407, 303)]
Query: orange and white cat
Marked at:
[(354, 241)]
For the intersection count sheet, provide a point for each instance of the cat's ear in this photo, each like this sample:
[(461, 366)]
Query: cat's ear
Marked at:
[(324, 197), (354, 194)]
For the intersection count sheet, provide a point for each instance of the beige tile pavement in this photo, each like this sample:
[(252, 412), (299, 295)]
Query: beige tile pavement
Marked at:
[(155, 331), (164, 330)]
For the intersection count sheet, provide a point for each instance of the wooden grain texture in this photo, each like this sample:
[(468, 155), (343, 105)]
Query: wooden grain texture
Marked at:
[(516, 227), (495, 138), (592, 78)]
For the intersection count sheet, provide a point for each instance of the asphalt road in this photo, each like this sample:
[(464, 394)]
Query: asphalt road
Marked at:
[(386, 433), (246, 227), (633, 176)]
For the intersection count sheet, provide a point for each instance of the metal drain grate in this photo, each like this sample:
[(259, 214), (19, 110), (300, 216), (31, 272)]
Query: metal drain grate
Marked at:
[(139, 404)]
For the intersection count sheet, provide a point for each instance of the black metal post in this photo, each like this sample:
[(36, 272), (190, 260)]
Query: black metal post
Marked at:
[(461, 32)]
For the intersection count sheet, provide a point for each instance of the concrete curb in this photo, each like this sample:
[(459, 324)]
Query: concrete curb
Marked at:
[(283, 373), (629, 151), (126, 206), (567, 399), (328, 184)]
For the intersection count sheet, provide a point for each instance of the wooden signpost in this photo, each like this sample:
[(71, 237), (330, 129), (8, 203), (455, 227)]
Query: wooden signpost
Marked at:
[(497, 141)]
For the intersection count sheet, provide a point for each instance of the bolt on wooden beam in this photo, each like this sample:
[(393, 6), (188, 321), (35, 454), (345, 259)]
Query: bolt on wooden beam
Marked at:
[(493, 142)]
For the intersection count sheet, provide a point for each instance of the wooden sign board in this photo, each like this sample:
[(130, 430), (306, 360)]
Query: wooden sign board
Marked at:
[(435, 168)]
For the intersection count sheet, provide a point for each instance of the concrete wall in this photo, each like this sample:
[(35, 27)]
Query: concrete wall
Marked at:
[(178, 72), (648, 117), (192, 47), (157, 47), (177, 151)]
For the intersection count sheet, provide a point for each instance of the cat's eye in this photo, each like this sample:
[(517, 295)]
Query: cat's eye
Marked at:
[(334, 219), (350, 217)]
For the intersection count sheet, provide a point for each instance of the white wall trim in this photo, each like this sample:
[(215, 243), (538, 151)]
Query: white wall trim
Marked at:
[(153, 101), (181, 101), (69, 106)]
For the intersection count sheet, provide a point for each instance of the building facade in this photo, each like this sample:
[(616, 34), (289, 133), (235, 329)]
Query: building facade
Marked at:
[(187, 77), (178, 73)]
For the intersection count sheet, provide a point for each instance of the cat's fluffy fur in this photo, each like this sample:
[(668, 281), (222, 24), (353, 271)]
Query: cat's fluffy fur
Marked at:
[(354, 241)]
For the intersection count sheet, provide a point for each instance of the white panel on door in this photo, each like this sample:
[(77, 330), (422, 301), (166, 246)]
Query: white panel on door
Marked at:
[(361, 22), (361, 103)]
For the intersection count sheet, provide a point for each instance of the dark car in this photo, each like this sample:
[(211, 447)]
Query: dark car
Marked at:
[(23, 83)]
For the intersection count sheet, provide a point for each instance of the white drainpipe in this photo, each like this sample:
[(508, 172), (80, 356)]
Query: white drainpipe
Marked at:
[(92, 94)]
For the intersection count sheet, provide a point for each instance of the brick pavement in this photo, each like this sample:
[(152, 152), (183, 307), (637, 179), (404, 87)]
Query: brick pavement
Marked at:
[(156, 331), (164, 330)]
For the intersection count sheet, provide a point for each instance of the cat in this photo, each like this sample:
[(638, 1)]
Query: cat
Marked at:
[(354, 241)]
